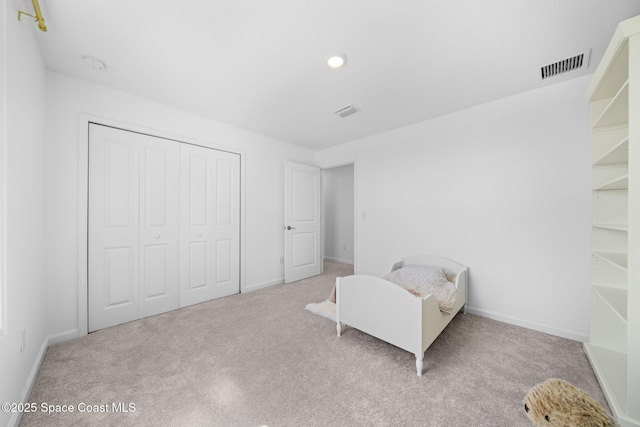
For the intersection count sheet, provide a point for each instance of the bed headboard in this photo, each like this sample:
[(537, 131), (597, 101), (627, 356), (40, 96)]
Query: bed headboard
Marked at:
[(431, 260)]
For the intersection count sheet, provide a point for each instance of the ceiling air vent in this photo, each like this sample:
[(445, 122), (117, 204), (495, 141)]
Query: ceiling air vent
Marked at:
[(572, 63), (346, 111)]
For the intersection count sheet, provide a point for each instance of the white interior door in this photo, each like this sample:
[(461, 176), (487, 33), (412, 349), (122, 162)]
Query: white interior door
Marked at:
[(133, 226), (210, 224), (302, 222)]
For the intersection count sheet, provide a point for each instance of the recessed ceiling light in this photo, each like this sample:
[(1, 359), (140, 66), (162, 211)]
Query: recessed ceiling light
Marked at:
[(94, 63), (336, 60)]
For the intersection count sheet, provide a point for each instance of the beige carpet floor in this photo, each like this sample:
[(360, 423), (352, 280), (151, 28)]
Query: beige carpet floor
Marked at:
[(261, 359)]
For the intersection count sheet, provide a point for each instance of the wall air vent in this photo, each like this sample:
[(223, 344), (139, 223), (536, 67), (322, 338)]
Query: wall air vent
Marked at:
[(346, 111), (575, 62)]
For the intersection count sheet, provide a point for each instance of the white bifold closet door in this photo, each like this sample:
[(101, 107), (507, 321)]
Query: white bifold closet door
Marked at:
[(209, 220), (163, 225)]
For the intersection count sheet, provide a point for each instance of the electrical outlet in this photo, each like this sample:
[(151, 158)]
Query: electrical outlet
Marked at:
[(23, 342)]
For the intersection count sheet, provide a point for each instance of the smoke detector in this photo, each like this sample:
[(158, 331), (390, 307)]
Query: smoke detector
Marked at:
[(575, 62), (346, 111), (94, 63)]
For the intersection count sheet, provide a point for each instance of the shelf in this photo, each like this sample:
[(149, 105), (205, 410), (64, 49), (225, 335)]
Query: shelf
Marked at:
[(605, 141), (615, 298), (614, 312), (617, 183), (615, 227), (611, 369), (610, 207), (607, 328), (619, 153), (616, 74), (606, 274), (618, 260), (617, 111), (605, 240)]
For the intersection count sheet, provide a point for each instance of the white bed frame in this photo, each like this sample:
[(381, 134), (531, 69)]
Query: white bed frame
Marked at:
[(388, 312)]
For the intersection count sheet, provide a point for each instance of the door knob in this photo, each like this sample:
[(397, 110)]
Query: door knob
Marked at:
[(157, 236), (290, 227)]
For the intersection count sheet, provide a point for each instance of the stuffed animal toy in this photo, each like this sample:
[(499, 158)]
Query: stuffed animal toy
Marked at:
[(556, 403)]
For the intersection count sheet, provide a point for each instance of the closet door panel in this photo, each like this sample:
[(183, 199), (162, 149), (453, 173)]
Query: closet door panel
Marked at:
[(210, 224), (113, 228), (159, 225), (227, 227), (118, 280), (196, 205), (156, 280), (198, 187), (224, 264), (198, 265)]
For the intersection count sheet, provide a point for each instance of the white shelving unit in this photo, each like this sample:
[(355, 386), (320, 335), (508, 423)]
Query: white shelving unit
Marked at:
[(614, 341)]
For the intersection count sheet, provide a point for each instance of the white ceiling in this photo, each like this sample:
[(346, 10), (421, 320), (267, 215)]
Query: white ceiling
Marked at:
[(261, 65)]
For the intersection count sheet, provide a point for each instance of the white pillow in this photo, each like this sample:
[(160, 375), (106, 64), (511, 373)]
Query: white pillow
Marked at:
[(422, 280)]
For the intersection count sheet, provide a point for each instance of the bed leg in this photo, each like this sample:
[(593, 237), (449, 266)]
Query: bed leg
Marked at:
[(339, 328), (419, 364), (464, 309)]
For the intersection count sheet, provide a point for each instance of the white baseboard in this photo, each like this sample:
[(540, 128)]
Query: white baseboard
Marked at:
[(343, 261), (572, 335), (62, 337), (33, 374), (262, 285)]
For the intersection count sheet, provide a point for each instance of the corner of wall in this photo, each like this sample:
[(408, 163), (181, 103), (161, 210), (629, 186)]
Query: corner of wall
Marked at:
[(22, 142), (3, 168)]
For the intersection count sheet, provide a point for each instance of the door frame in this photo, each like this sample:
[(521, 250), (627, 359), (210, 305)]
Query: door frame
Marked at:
[(84, 120), (355, 206)]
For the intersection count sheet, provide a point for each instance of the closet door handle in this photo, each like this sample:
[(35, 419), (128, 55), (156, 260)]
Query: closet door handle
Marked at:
[(290, 227)]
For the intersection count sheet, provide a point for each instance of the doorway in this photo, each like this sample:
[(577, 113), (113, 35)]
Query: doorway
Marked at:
[(338, 213)]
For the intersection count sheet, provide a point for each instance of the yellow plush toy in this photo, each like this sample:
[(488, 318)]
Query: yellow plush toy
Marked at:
[(556, 403)]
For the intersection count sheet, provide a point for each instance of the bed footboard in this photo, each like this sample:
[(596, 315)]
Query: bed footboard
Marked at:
[(390, 313), (383, 310)]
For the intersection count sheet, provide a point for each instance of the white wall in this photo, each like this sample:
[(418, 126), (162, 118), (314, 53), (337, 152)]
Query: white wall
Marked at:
[(502, 188), (21, 139), (337, 213), (69, 100)]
